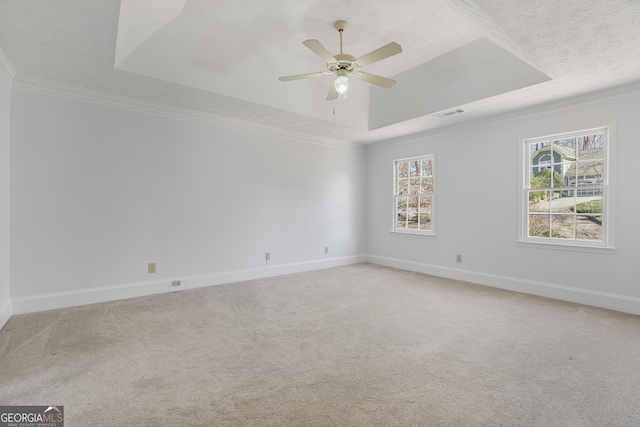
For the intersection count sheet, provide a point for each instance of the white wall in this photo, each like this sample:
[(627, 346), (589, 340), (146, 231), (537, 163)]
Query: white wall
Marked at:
[(477, 210), (99, 192), (5, 302)]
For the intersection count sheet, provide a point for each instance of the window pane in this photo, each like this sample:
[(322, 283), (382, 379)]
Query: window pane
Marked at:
[(401, 204), (403, 186), (403, 170), (412, 204), (425, 204), (560, 204), (538, 150), (414, 168), (538, 201), (425, 221), (543, 178), (532, 174), (589, 227), (412, 221), (566, 146), (589, 191), (414, 186), (568, 173), (427, 168), (562, 226), (589, 205), (539, 226), (427, 185), (541, 163), (401, 221), (590, 172), (591, 146)]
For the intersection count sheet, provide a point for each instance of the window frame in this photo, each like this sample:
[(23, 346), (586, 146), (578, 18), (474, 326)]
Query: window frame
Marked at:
[(420, 233), (607, 244)]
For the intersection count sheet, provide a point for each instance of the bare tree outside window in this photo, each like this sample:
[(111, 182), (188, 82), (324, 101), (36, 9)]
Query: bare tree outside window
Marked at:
[(413, 194)]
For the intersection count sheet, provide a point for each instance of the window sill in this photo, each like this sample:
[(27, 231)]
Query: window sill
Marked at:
[(567, 247), (414, 234)]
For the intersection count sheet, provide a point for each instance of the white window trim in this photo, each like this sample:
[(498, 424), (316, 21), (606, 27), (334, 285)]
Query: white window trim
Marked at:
[(608, 201), (415, 233)]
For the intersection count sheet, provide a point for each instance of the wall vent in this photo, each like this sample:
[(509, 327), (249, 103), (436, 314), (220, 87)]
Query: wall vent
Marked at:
[(449, 113)]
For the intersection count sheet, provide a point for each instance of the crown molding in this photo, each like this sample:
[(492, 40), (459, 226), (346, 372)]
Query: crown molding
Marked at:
[(7, 73), (76, 93), (575, 103)]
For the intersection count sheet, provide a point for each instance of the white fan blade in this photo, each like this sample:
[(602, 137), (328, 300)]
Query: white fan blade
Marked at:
[(333, 93), (316, 47), (374, 80), (386, 51), (303, 76)]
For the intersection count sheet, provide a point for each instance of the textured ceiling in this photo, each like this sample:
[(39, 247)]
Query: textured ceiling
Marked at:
[(224, 57)]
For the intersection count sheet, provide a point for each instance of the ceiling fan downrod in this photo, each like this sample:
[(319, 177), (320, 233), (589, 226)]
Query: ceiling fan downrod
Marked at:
[(340, 26)]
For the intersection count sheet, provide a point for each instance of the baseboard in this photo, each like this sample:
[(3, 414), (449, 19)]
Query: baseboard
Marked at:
[(57, 300), (5, 313), (623, 303), (51, 301)]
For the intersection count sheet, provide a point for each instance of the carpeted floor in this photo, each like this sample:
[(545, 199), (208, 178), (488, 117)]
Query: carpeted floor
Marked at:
[(361, 345)]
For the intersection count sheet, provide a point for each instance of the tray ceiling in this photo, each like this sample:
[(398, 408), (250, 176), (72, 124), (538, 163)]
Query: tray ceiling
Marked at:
[(224, 58)]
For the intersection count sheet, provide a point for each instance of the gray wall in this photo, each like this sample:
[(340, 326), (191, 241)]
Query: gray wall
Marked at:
[(477, 208)]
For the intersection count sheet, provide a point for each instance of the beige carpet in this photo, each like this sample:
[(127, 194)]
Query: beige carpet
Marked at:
[(361, 345)]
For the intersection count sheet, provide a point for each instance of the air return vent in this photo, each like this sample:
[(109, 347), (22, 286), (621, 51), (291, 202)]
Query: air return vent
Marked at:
[(449, 113)]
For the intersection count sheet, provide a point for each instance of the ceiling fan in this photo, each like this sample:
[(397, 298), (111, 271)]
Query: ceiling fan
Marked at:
[(343, 65)]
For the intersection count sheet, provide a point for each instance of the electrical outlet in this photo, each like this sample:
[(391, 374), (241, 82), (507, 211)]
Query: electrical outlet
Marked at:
[(326, 250), (176, 283), (152, 267), (459, 258), (267, 256)]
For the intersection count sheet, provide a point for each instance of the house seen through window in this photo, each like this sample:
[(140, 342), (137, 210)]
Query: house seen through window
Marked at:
[(566, 188)]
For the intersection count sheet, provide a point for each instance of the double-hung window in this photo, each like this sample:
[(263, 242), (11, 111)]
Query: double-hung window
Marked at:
[(413, 195), (566, 189)]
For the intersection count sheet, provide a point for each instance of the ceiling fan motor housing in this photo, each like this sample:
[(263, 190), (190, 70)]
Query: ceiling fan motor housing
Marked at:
[(343, 62)]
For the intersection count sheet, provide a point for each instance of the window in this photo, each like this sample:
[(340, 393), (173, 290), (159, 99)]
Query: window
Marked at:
[(566, 189), (413, 195)]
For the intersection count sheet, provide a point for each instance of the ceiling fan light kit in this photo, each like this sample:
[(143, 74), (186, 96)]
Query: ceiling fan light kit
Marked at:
[(341, 82), (344, 65)]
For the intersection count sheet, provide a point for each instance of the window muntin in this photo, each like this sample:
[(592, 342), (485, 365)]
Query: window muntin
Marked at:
[(565, 188), (413, 195)]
